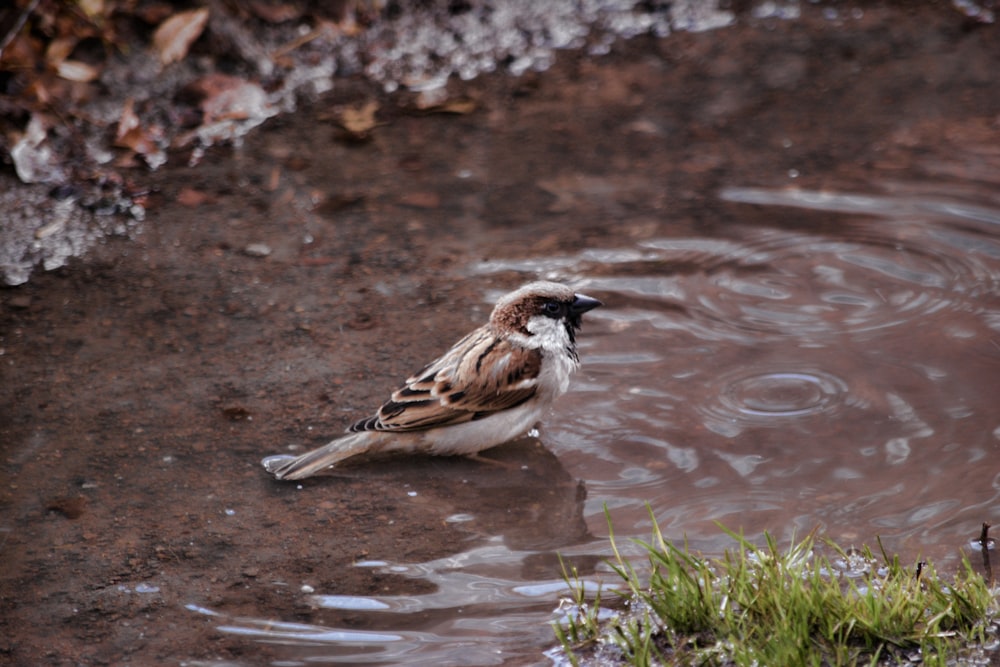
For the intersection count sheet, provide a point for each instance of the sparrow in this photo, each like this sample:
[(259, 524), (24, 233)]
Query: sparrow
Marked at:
[(492, 386)]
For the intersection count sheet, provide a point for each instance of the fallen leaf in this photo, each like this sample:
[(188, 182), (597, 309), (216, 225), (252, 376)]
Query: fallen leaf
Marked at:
[(144, 141), (461, 105), (59, 49), (275, 13), (74, 70), (23, 52), (359, 121), (230, 98), (128, 120), (92, 8), (175, 35), (437, 100), (192, 198)]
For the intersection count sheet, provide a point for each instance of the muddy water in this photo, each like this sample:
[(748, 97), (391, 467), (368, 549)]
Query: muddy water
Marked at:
[(795, 379), (823, 359), (802, 331), (784, 380)]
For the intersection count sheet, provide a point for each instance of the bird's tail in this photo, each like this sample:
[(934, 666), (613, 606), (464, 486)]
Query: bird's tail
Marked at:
[(286, 466)]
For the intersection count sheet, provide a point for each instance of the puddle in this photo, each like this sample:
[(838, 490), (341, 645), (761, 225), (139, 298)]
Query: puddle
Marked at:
[(785, 381), (847, 379), (776, 358)]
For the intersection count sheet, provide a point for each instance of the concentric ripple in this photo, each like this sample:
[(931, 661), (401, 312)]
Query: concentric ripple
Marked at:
[(811, 287), (770, 398), (778, 394), (893, 263)]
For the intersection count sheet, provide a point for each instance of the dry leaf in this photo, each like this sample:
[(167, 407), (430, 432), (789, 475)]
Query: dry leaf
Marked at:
[(275, 13), (462, 105), (91, 8), (144, 141), (74, 70), (175, 35), (227, 97), (21, 53), (437, 100), (59, 49), (192, 198), (127, 122), (359, 121)]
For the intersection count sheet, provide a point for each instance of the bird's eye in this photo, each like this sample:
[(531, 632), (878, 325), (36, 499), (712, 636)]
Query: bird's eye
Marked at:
[(552, 308)]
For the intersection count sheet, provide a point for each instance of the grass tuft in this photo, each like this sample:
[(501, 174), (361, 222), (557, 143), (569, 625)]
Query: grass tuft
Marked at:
[(768, 606)]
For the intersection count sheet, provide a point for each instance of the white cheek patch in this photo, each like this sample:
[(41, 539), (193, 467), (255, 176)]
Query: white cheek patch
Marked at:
[(519, 339), (547, 333)]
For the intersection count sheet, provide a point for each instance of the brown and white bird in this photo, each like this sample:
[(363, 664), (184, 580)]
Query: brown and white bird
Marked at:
[(490, 387)]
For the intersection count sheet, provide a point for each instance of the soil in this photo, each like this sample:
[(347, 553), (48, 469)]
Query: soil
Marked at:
[(280, 290)]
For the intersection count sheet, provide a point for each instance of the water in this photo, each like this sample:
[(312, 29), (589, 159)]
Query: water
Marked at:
[(769, 378), (846, 379)]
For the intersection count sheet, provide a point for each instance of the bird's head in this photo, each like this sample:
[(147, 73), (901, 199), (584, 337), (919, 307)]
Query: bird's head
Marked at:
[(547, 314)]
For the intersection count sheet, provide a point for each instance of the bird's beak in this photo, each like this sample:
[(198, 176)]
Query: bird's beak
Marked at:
[(582, 303)]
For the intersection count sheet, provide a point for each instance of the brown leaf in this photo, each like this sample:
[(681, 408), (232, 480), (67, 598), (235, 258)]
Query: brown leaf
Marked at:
[(461, 105), (359, 121), (229, 98), (128, 121), (92, 8), (75, 70), (144, 141), (175, 35), (59, 49), (192, 198), (275, 13), (23, 53), (437, 100)]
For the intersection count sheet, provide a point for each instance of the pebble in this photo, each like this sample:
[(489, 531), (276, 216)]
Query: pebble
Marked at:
[(257, 250)]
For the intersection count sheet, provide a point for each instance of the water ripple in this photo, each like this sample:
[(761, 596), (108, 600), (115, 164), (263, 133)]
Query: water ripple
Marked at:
[(782, 379), (910, 259), (793, 285), (766, 396)]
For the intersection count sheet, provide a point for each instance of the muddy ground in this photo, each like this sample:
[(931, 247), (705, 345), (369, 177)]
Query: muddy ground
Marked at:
[(142, 384)]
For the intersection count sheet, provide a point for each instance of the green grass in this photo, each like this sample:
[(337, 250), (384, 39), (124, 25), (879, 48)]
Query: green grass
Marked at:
[(762, 606)]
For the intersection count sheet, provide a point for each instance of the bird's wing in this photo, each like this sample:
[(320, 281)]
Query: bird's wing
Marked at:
[(482, 374)]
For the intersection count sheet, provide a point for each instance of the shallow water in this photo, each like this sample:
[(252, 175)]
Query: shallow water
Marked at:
[(781, 380), (841, 382)]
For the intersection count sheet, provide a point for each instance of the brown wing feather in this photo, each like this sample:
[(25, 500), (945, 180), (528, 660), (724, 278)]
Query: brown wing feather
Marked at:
[(478, 377)]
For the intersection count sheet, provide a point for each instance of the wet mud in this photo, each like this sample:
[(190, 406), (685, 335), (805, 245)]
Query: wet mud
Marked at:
[(280, 290)]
